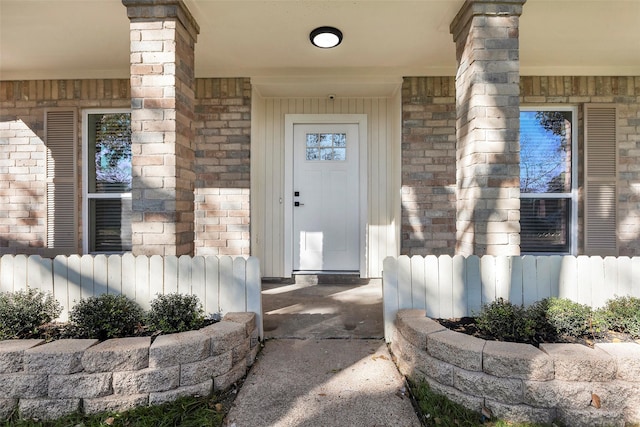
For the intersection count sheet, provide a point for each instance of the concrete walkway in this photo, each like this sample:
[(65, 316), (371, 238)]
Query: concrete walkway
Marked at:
[(325, 362), (324, 382)]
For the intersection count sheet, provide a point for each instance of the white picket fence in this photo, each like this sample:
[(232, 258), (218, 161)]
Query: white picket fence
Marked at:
[(450, 287), (223, 284)]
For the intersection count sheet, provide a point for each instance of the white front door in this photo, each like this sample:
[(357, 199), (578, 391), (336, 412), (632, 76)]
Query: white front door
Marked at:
[(326, 198)]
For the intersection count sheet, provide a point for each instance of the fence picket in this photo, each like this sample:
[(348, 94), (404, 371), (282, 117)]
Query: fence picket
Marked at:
[(390, 294), (502, 277), (568, 286), (6, 273), (635, 277), (418, 293), (254, 289), (101, 275), (488, 278), (610, 286), (184, 285), (74, 279), (516, 288), (445, 292), (170, 274), (404, 282), (555, 265), (129, 276), (87, 278), (624, 276), (226, 292), (432, 278), (114, 274), (543, 277), (157, 285), (146, 272), (61, 290), (212, 295), (529, 280), (458, 288), (474, 284), (239, 298), (20, 272), (198, 279)]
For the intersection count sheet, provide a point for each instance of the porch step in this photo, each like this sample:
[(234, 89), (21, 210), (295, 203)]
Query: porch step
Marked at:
[(321, 279)]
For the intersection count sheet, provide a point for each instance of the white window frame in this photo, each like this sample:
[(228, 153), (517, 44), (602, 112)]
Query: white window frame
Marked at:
[(573, 226), (86, 196)]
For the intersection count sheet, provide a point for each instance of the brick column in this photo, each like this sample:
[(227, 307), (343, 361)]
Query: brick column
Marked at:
[(163, 36), (488, 127)]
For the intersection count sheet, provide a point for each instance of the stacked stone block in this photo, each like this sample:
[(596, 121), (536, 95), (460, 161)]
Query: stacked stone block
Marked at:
[(519, 382), (222, 165), (488, 124), (47, 381)]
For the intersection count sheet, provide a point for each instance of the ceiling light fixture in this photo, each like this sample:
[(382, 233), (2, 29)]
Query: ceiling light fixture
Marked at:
[(326, 37)]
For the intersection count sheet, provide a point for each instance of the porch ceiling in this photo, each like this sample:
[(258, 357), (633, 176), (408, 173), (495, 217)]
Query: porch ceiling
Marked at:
[(45, 39)]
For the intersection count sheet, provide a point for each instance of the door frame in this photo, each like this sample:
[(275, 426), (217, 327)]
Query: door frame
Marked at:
[(290, 120)]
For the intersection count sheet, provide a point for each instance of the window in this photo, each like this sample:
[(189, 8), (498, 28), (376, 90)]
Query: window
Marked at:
[(327, 146), (548, 207), (107, 181)]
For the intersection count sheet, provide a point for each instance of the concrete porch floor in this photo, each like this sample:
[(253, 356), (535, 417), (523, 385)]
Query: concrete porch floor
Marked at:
[(323, 306)]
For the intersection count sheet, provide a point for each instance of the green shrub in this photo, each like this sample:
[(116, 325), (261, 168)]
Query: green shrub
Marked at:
[(22, 312), (175, 313), (570, 318), (622, 314), (105, 316), (506, 321)]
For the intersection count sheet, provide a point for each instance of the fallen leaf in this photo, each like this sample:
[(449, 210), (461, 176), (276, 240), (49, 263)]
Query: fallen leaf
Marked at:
[(595, 401), (486, 412), (382, 356), (219, 407), (109, 421), (322, 394)]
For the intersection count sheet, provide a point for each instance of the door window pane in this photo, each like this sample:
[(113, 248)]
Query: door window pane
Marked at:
[(326, 146)]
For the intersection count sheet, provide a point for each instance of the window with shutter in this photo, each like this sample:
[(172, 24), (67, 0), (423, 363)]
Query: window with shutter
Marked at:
[(107, 178), (601, 175), (60, 138), (548, 206)]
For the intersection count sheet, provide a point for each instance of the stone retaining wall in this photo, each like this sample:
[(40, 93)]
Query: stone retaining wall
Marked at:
[(520, 382), (50, 380)]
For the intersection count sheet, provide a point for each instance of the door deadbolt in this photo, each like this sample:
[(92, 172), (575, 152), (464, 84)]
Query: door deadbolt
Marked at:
[(298, 204)]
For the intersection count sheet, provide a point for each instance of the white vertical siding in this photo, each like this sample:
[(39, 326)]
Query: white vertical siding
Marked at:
[(267, 180)]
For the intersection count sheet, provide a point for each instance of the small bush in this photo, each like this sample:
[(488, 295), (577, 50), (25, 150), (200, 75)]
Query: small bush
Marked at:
[(175, 313), (105, 316), (22, 312), (569, 318), (622, 314), (506, 321)]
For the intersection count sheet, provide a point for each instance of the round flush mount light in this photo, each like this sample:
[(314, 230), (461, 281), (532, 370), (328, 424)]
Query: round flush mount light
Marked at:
[(326, 37)]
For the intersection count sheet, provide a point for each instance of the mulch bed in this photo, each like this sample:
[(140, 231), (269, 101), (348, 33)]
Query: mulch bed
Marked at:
[(467, 325)]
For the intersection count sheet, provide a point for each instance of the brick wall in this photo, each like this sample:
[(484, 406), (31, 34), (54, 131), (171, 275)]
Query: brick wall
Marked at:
[(23, 152), (428, 166), (222, 164), (625, 93), (428, 140)]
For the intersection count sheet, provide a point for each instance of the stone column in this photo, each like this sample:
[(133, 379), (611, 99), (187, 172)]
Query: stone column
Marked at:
[(163, 35), (488, 127)]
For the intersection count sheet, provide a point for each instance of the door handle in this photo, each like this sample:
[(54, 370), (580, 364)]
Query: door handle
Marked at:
[(298, 204)]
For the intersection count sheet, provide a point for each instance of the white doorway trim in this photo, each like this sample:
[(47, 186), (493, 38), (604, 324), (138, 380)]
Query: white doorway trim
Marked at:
[(292, 119)]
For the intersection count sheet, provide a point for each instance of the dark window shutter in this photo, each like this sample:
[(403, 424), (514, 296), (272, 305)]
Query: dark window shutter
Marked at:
[(60, 138), (601, 175)]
